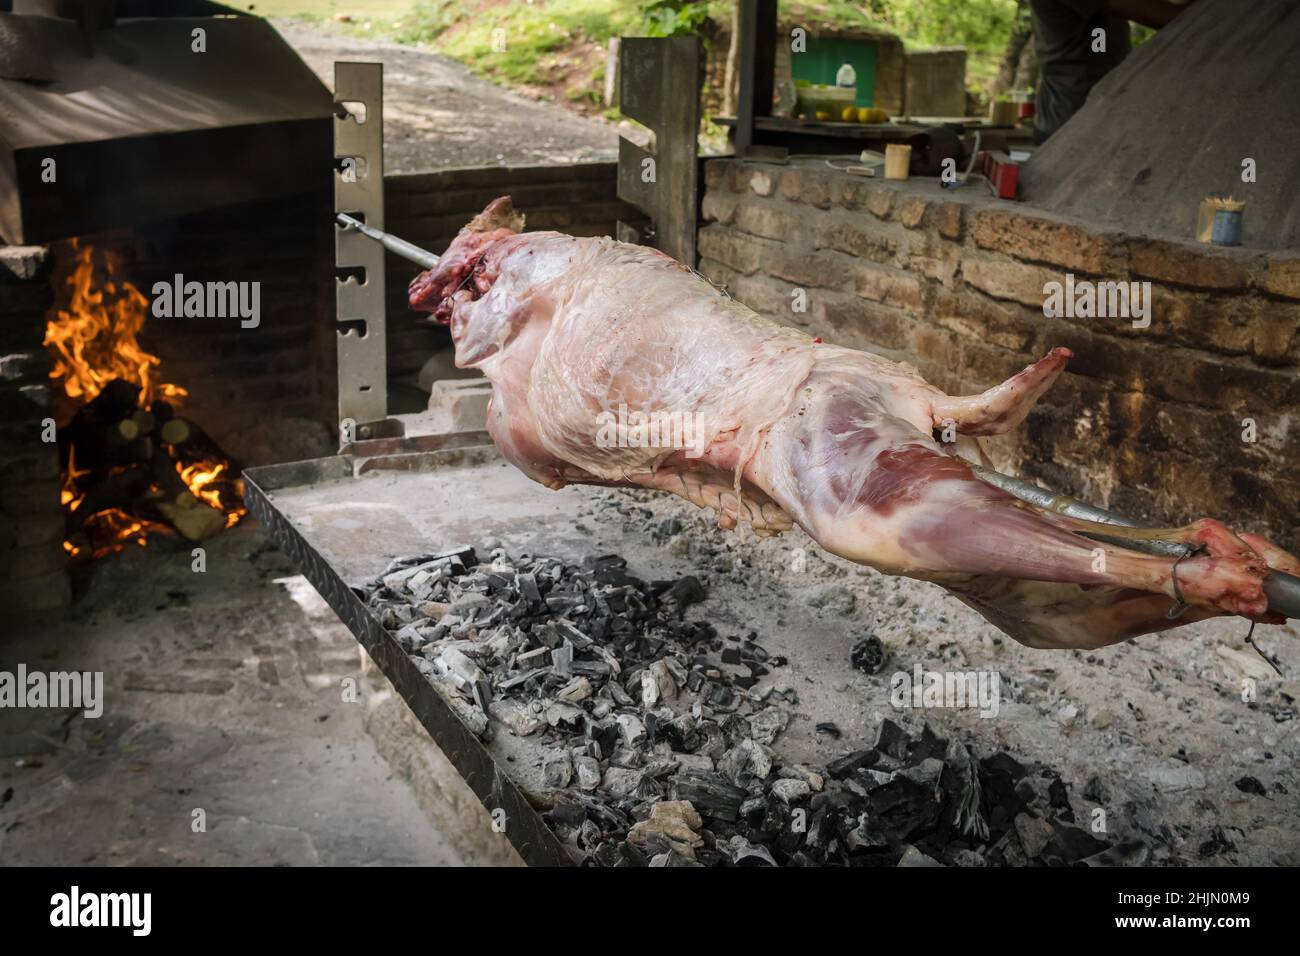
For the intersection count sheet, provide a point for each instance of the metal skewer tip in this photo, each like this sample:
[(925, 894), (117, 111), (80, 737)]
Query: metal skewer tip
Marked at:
[(399, 247)]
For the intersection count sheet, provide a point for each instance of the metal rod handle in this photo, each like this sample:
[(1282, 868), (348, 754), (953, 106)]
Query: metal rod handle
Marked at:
[(399, 247)]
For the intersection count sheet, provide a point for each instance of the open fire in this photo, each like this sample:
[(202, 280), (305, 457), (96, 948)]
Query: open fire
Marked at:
[(132, 465)]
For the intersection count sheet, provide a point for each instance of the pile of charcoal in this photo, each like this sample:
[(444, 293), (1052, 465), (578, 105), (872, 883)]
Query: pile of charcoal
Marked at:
[(658, 732)]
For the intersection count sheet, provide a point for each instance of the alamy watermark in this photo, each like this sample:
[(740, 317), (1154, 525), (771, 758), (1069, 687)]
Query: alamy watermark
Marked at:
[(77, 909), (922, 689), (1085, 299), (209, 300), (60, 689), (636, 428)]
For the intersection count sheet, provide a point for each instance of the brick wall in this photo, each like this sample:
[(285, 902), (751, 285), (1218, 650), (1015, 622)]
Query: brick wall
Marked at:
[(32, 578), (430, 208), (1146, 421)]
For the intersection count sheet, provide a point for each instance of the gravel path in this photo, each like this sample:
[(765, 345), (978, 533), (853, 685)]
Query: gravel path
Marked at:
[(438, 115)]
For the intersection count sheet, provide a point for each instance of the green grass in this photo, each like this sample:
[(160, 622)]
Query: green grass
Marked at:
[(325, 9), (507, 41), (516, 42)]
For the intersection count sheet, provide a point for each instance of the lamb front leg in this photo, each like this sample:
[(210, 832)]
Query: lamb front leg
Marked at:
[(872, 488)]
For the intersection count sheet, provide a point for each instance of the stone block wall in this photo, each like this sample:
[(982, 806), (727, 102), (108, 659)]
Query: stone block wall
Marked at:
[(1154, 422)]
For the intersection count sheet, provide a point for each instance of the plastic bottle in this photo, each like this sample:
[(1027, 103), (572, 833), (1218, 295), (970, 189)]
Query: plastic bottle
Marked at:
[(847, 76)]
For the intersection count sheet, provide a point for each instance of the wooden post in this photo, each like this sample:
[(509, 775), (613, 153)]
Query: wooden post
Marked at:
[(659, 87), (757, 68)]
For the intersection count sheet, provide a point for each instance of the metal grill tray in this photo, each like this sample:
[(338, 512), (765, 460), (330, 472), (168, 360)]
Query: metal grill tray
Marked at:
[(343, 519)]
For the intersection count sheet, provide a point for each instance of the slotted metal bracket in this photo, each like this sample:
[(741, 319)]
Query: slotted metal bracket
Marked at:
[(359, 282), (659, 87)]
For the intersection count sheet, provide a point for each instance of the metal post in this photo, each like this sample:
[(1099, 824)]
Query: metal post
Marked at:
[(359, 298)]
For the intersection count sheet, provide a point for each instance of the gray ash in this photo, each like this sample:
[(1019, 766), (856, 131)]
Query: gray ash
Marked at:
[(658, 742)]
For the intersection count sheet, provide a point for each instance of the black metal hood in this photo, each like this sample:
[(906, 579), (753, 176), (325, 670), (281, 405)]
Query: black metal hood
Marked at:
[(139, 126)]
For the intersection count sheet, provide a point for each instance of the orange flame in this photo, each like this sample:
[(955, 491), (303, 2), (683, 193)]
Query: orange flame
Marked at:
[(93, 341)]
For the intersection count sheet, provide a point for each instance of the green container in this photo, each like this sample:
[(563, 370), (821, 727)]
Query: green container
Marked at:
[(823, 58)]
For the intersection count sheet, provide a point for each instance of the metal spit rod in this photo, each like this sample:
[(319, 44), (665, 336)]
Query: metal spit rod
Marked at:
[(1281, 589), (399, 247)]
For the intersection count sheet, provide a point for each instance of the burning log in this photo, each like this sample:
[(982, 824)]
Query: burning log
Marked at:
[(146, 462)]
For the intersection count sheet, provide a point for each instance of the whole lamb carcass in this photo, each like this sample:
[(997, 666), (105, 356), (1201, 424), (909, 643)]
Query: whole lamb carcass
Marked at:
[(788, 430)]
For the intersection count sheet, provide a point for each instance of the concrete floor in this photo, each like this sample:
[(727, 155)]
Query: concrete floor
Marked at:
[(223, 693)]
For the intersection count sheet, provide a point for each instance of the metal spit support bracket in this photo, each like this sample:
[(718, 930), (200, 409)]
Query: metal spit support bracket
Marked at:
[(659, 87), (359, 282)]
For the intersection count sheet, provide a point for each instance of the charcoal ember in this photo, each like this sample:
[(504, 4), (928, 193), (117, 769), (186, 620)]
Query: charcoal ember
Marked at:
[(519, 720), (526, 582), (685, 591), (433, 610), (673, 820), (575, 691), (767, 724), (999, 774), (892, 740), (722, 698), (1251, 785), (603, 736), (963, 811), (868, 655), (592, 658), (927, 746), (587, 770), (688, 761), (710, 793), (589, 836), (412, 637), (964, 857), (741, 852), (809, 776), (849, 763), (610, 569), (736, 728), (561, 715), (1034, 833), (791, 791), (611, 854), (557, 768), (562, 661), (908, 805), (567, 812), (1069, 845), (522, 678), (632, 727), (394, 617), (1009, 851), (746, 762), (712, 742), (621, 781), (657, 683), (674, 857), (914, 857), (864, 834)]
